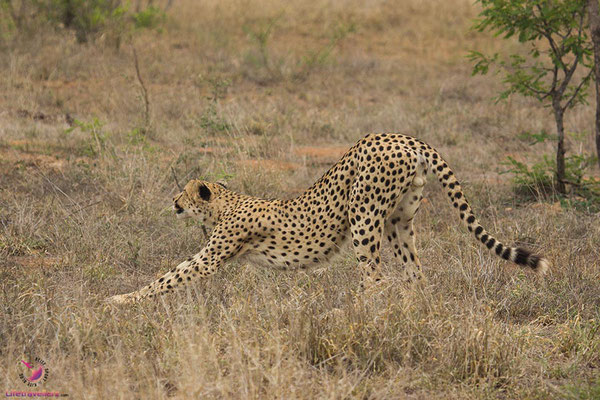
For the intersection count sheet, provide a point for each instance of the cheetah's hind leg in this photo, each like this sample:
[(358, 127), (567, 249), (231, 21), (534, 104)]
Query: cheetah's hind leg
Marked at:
[(399, 229)]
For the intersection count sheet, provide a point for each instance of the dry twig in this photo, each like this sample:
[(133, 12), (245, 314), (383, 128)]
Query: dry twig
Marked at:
[(144, 90)]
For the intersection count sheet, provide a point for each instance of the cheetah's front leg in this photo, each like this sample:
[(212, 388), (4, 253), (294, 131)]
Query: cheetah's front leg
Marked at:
[(200, 265), (183, 273)]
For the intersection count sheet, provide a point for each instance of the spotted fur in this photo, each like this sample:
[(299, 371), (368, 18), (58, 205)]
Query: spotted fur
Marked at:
[(372, 192)]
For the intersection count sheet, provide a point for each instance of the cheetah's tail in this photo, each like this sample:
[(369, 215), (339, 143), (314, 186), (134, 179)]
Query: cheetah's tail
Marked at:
[(446, 177)]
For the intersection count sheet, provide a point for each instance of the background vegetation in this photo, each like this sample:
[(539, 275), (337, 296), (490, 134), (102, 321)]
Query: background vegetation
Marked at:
[(269, 94)]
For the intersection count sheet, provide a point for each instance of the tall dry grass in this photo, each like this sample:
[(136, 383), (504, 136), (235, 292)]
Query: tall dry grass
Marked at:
[(84, 213)]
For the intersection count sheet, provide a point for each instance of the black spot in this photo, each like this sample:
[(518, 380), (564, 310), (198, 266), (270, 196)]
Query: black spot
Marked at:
[(499, 248), (478, 230)]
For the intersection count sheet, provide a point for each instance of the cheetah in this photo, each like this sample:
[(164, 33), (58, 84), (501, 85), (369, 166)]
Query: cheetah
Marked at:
[(371, 193)]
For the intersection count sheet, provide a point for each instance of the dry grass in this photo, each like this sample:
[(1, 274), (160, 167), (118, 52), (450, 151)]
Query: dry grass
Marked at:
[(84, 214)]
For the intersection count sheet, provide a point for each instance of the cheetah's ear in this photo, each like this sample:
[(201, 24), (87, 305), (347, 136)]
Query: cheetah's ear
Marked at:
[(204, 192), (222, 182)]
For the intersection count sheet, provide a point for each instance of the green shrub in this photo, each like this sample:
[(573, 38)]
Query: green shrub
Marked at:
[(211, 120), (268, 68), (88, 19), (94, 143), (318, 57), (7, 24), (149, 18)]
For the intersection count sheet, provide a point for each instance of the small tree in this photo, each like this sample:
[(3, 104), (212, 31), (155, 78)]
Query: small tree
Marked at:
[(557, 46), (594, 11)]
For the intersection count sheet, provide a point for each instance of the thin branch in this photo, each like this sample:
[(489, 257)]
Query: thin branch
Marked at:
[(542, 94), (577, 89), (568, 34), (580, 28), (176, 180), (144, 91), (547, 33), (571, 70), (568, 75), (563, 36), (570, 28), (84, 207)]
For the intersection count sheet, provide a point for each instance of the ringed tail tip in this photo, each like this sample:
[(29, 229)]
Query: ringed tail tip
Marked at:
[(538, 264)]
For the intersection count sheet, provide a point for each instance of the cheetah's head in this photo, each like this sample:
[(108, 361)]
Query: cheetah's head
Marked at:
[(198, 200)]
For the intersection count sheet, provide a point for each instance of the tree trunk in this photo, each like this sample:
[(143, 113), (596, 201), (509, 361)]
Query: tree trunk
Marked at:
[(560, 147), (68, 13), (595, 33)]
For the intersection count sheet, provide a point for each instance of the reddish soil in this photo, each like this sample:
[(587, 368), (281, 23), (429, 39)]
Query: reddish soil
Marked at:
[(272, 165)]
